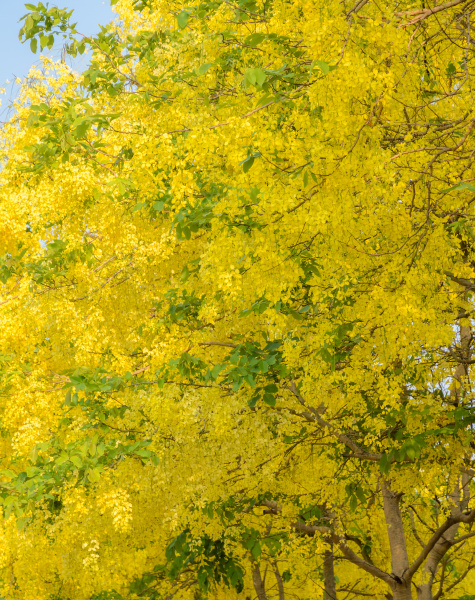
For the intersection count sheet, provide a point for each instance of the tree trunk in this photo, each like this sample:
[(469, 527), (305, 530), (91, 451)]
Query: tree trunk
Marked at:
[(280, 583), (402, 592), (395, 528), (258, 583), (424, 590), (329, 575), (460, 498), (401, 588)]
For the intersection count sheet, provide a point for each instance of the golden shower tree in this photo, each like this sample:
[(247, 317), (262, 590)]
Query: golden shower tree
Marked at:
[(237, 275)]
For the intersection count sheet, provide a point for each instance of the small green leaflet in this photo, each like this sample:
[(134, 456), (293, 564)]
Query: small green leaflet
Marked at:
[(203, 68), (247, 164), (76, 460), (93, 475), (182, 19), (249, 161), (451, 69), (458, 187), (325, 67), (255, 77), (255, 38)]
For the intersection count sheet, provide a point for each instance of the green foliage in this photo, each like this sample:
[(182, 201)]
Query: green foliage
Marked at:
[(42, 23), (209, 557)]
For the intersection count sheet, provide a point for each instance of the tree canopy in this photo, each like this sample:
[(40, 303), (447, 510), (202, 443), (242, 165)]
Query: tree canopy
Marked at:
[(237, 276)]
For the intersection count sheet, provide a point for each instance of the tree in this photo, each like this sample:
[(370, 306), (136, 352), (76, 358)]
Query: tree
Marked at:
[(237, 294)]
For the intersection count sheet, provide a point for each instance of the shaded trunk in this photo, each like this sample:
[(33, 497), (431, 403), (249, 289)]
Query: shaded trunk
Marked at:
[(459, 500), (395, 528), (280, 583), (458, 504), (462, 368), (424, 590), (329, 575), (401, 588), (258, 583), (402, 592)]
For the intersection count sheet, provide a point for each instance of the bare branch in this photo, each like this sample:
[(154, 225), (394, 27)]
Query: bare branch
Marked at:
[(344, 439), (419, 14), (454, 520)]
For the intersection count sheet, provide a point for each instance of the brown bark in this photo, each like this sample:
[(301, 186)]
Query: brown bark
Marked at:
[(460, 496), (280, 583), (402, 592), (419, 14), (258, 583), (462, 369), (458, 505), (329, 575), (397, 539), (401, 587)]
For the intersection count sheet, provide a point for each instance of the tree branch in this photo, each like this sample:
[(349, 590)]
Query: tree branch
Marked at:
[(462, 518), (344, 439), (419, 14)]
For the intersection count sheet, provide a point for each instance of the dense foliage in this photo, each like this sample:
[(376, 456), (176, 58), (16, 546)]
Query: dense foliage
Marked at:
[(237, 275)]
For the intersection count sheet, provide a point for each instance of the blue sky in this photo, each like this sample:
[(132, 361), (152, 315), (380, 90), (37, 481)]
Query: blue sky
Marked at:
[(16, 58)]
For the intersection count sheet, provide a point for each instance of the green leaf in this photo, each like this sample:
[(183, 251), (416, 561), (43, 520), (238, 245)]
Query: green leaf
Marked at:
[(287, 576), (250, 380), (8, 473), (93, 475), (184, 274), (76, 460), (325, 67), (249, 161), (260, 76), (144, 453), (253, 401), (201, 70), (360, 494), (62, 459), (247, 164), (451, 69), (34, 45), (459, 187), (256, 550), (269, 399), (182, 19), (384, 464), (250, 76), (255, 39), (67, 400), (158, 206), (461, 413), (215, 371), (81, 129), (255, 77)]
